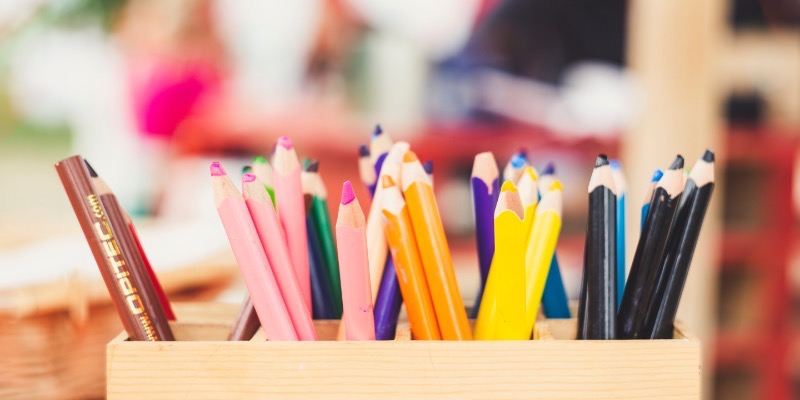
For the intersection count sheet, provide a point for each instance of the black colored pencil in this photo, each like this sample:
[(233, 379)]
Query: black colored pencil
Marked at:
[(600, 264), (674, 266), (641, 280)]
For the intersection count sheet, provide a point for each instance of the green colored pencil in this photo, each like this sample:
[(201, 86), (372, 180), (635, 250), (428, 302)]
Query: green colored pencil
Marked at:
[(322, 221)]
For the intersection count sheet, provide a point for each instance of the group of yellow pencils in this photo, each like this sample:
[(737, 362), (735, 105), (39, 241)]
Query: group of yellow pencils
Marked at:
[(527, 223)]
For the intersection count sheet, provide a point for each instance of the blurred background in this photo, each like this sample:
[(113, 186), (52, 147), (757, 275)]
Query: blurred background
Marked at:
[(151, 91)]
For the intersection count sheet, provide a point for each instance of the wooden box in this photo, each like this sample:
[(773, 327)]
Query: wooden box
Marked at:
[(204, 366)]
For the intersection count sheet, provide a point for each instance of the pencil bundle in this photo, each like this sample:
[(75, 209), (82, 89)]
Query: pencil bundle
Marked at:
[(672, 216), (135, 291)]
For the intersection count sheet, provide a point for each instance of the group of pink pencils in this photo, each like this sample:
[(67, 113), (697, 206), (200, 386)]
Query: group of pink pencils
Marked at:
[(271, 249)]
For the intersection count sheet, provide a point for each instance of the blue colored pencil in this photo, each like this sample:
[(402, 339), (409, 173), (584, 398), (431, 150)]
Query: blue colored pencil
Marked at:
[(619, 184)]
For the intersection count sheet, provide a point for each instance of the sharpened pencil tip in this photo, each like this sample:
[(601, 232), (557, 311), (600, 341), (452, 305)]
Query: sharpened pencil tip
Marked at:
[(708, 156), (348, 195), (377, 131), (428, 167), (614, 163), (523, 152), (387, 182), (657, 174), (248, 178), (410, 156), (601, 160), (549, 169), (216, 169), (677, 163), (285, 142), (259, 160), (508, 186), (529, 171), (363, 151), (517, 161), (247, 169), (92, 172), (313, 166)]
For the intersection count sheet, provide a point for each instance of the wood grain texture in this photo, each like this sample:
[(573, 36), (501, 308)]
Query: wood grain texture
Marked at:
[(555, 368)]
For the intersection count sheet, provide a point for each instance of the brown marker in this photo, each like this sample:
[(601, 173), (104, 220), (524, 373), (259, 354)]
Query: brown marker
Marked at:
[(141, 314)]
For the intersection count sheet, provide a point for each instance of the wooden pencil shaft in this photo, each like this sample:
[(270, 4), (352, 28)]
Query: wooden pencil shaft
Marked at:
[(138, 271), (162, 295), (437, 262), (583, 300), (321, 296), (639, 287), (674, 266), (246, 324), (96, 228), (323, 227), (601, 265)]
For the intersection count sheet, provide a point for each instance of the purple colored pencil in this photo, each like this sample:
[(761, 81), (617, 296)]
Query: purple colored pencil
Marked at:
[(485, 191)]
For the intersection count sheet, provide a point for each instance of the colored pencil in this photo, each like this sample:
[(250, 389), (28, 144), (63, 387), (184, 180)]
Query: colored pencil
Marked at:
[(141, 320), (554, 299), (352, 250), (388, 302), (620, 186), (251, 257), (289, 198), (120, 224), (379, 147), (657, 174), (436, 260), (502, 315), (263, 171), (539, 250), (641, 280), (378, 250), (388, 299), (408, 264), (599, 267), (246, 324), (366, 170), (485, 186), (107, 196), (674, 266), (322, 224), (265, 219), (528, 189), (514, 168), (321, 295)]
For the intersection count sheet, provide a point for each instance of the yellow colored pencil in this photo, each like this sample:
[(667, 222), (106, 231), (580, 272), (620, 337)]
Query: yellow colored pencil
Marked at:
[(541, 246), (528, 189), (502, 312)]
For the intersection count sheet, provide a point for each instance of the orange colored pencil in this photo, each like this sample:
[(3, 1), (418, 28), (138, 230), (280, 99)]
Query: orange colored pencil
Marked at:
[(436, 260), (407, 262)]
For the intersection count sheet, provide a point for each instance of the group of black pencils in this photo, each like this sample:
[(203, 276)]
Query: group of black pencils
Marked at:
[(670, 230)]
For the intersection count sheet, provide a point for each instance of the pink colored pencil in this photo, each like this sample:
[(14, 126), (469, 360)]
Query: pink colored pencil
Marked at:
[(291, 210), (269, 232), (251, 258), (351, 241)]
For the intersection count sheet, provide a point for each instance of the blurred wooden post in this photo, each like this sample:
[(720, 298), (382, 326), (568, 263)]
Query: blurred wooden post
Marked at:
[(673, 51)]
